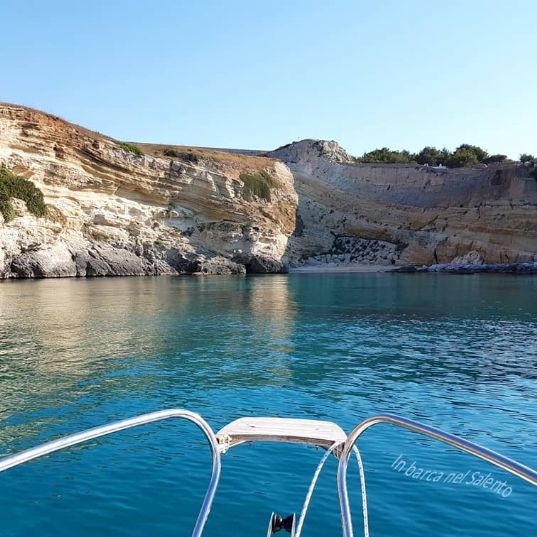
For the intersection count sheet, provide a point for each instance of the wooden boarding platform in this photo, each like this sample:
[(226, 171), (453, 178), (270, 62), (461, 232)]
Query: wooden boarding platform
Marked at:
[(312, 432)]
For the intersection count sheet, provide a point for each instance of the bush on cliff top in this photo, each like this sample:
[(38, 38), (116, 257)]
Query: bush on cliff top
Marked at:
[(464, 155), (257, 184), (13, 186), (388, 156), (183, 155), (130, 148), (433, 156)]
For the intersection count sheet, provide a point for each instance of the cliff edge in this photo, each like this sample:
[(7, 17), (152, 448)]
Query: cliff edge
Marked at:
[(77, 203), (121, 209), (399, 214)]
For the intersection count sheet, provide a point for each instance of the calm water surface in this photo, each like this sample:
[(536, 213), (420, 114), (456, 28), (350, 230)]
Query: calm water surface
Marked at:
[(458, 352)]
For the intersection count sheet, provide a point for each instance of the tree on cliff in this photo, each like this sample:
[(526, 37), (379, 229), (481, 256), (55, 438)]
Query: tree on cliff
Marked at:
[(462, 157), (526, 157), (480, 153), (432, 156), (466, 155), (387, 156)]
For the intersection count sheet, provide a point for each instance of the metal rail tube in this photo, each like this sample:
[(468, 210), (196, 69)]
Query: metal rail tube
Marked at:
[(96, 432), (365, 513), (511, 466)]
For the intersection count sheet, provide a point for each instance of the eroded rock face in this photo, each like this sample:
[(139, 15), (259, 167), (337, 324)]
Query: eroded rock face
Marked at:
[(307, 150), (408, 214), (354, 250), (112, 212)]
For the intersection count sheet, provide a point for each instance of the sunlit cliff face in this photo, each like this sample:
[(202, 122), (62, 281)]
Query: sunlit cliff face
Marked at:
[(408, 214), (113, 212)]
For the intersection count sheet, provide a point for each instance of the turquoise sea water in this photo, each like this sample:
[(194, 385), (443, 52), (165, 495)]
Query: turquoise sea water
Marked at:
[(458, 352)]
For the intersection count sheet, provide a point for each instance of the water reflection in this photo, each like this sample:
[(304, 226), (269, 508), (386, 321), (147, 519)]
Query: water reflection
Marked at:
[(456, 351)]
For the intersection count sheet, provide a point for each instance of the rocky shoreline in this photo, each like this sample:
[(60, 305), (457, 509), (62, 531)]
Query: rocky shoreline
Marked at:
[(121, 209), (331, 268), (112, 208), (472, 268), (448, 268)]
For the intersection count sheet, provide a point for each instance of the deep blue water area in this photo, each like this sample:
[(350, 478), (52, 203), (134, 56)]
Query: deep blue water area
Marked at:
[(457, 352)]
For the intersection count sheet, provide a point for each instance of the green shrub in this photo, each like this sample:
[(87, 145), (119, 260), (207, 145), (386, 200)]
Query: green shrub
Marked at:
[(183, 155), (432, 156), (13, 186), (388, 156), (130, 148), (462, 157), (480, 153), (258, 184), (7, 210)]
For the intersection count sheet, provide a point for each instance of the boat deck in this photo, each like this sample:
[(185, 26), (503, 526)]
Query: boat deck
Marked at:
[(312, 432)]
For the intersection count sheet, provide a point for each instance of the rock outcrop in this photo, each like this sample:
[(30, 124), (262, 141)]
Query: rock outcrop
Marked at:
[(474, 268), (115, 212), (384, 214), (119, 209)]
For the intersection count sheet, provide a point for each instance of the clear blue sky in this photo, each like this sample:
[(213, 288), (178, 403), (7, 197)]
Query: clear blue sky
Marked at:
[(259, 74)]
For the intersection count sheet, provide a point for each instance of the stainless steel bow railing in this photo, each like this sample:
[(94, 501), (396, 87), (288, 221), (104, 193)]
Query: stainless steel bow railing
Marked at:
[(347, 447), (488, 455), (89, 434)]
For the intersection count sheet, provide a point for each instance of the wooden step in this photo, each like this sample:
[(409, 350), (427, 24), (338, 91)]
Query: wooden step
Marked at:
[(312, 432)]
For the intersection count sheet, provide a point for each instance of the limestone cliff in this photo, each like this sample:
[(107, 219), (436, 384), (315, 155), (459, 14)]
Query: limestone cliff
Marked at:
[(171, 209), (114, 212), (407, 214)]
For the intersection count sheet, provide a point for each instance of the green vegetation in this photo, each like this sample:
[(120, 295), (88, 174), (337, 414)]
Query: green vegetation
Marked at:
[(432, 156), (13, 186), (388, 156), (183, 155), (464, 155), (258, 184), (130, 148), (526, 158), (479, 153)]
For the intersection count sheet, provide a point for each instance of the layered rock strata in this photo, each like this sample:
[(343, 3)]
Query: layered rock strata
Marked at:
[(115, 212), (407, 214), (119, 209)]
